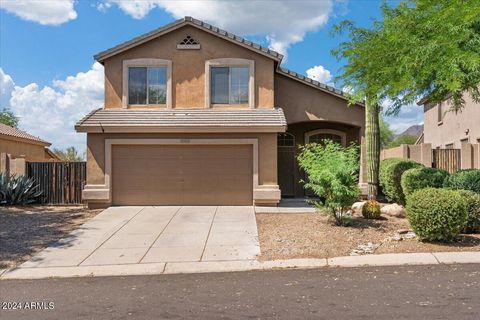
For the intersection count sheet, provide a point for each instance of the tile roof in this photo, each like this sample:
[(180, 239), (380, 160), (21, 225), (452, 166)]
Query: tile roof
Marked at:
[(16, 133), (225, 35), (193, 22), (178, 120)]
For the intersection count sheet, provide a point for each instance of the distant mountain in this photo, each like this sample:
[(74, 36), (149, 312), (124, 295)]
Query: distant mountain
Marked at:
[(415, 130)]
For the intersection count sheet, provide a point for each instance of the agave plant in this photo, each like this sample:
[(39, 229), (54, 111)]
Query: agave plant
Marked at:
[(4, 178), (18, 190)]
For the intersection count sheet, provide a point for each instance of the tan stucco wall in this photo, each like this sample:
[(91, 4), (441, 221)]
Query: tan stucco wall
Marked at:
[(188, 68), (267, 152), (454, 126), (301, 102), (32, 152)]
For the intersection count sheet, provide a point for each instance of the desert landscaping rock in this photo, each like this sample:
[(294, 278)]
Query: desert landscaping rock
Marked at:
[(393, 210), (357, 206), (369, 248), (399, 236)]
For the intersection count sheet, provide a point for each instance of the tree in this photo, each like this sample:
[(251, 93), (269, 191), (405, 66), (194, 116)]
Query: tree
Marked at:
[(421, 48), (69, 154), (386, 134), (403, 139), (7, 117), (332, 172)]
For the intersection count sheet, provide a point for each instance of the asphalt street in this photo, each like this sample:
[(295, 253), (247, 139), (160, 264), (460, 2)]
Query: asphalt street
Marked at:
[(407, 292)]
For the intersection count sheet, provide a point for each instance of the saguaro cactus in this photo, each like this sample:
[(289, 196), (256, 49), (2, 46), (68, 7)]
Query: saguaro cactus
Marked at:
[(372, 144)]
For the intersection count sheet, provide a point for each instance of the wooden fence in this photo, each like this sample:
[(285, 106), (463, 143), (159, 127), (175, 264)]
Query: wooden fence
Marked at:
[(61, 182), (447, 159)]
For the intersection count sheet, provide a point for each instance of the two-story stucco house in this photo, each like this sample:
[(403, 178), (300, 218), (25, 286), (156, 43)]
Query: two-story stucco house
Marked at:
[(448, 130), (196, 115)]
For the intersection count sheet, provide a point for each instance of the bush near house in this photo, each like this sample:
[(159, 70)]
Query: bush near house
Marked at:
[(420, 178), (464, 179), (332, 172), (391, 171), (18, 190), (437, 214), (473, 208), (371, 210)]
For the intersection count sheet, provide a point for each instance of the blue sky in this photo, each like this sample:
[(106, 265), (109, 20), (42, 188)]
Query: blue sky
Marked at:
[(48, 76)]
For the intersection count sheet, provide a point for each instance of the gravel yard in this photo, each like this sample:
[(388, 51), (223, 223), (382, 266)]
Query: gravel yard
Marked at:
[(26, 230), (288, 236)]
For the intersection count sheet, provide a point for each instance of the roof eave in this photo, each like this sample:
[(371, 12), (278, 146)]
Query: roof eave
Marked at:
[(25, 140), (179, 129), (102, 56)]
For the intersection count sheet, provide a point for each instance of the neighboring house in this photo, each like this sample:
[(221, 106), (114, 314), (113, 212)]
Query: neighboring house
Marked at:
[(195, 115), (18, 143), (446, 129)]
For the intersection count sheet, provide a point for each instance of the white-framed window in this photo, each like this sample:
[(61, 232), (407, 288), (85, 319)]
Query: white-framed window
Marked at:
[(319, 135), (229, 85), (229, 81), (147, 82), (285, 139)]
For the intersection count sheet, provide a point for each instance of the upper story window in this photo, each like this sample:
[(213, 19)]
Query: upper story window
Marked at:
[(229, 85), (147, 82), (147, 85), (229, 81)]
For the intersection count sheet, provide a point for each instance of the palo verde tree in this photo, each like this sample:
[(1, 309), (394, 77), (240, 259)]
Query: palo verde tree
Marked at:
[(420, 48), (8, 117)]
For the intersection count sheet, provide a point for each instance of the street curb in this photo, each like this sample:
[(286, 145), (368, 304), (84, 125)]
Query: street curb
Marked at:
[(389, 259)]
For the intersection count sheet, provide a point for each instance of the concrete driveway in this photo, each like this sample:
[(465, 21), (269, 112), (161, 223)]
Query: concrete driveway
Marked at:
[(133, 235)]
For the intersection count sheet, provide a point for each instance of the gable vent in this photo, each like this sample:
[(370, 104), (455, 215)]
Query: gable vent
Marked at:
[(188, 43)]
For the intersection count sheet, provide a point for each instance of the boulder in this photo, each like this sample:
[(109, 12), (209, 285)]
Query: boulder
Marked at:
[(357, 206), (394, 210)]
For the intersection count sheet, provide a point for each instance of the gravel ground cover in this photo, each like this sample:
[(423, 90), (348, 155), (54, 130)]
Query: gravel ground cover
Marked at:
[(288, 236), (26, 230)]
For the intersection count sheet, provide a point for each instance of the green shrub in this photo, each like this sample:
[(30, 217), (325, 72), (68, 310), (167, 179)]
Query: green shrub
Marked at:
[(332, 175), (420, 178), (18, 190), (436, 214), (473, 208), (465, 180), (371, 209), (391, 171)]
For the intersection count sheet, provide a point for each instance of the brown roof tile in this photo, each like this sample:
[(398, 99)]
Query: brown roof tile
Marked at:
[(16, 133), (178, 120)]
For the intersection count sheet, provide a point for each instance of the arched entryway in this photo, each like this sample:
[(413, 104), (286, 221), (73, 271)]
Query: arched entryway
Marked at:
[(289, 173)]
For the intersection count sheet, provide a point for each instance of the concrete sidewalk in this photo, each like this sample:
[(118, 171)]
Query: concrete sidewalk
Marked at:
[(243, 265)]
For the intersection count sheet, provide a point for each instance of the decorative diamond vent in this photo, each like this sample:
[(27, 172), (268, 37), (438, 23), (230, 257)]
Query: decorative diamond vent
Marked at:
[(188, 43)]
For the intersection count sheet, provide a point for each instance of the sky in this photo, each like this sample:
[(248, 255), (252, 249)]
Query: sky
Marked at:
[(49, 79)]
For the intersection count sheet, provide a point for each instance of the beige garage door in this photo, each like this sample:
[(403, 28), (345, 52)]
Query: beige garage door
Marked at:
[(182, 175)]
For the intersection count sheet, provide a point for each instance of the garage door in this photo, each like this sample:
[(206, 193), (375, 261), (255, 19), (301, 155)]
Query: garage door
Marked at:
[(182, 175)]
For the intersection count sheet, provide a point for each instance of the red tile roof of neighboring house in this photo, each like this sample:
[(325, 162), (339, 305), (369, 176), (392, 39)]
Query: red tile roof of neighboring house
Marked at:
[(16, 133)]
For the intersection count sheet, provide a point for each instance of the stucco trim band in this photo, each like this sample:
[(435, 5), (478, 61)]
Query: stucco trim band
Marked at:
[(103, 193)]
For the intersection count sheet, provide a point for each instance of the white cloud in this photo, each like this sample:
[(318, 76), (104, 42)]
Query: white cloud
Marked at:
[(320, 74), (6, 88), (408, 116), (282, 22), (52, 111), (46, 12)]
